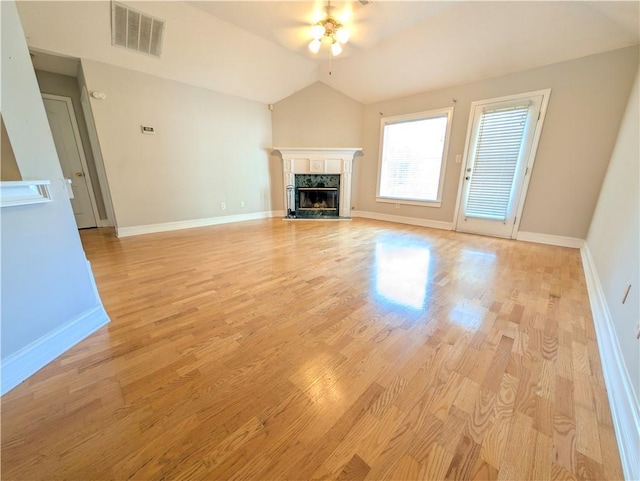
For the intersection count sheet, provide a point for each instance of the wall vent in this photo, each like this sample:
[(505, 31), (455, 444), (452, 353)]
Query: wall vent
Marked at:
[(136, 30)]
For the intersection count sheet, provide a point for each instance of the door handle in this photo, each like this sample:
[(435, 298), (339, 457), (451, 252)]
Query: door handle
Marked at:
[(79, 174)]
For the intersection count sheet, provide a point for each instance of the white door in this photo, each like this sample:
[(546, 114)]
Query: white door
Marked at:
[(499, 156), (64, 128)]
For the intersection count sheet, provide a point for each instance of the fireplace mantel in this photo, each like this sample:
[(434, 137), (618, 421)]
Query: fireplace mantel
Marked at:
[(320, 161)]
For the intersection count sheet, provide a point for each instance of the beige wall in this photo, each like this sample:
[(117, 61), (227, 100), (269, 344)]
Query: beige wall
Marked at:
[(9, 167), (63, 85), (316, 116), (587, 102), (614, 236), (208, 148)]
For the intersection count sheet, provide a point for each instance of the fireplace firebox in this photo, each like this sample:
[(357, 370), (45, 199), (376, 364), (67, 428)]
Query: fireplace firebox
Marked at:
[(317, 196)]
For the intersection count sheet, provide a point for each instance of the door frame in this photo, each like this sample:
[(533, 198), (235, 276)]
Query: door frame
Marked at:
[(546, 94), (98, 160), (83, 159)]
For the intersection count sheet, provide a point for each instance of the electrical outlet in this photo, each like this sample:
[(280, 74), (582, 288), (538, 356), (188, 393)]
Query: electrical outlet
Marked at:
[(223, 206), (242, 203), (397, 206)]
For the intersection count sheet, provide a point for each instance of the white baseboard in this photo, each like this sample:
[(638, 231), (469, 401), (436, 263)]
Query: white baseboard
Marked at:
[(622, 399), (554, 240), (27, 361), (436, 224), (188, 224)]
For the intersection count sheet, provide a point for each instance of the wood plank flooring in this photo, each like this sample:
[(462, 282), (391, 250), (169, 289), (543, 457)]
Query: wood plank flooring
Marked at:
[(355, 350)]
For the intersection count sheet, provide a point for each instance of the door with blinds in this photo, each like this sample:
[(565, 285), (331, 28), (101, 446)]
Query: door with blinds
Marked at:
[(499, 154)]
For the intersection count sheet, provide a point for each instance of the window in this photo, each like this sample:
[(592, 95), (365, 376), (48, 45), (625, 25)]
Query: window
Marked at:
[(498, 149), (413, 152)]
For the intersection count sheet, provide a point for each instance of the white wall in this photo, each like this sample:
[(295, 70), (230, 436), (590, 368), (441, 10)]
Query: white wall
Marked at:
[(587, 102), (49, 301), (612, 263), (208, 148), (199, 49), (614, 236)]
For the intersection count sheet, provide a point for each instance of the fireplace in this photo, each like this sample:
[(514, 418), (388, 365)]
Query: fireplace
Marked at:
[(317, 196), (317, 182)]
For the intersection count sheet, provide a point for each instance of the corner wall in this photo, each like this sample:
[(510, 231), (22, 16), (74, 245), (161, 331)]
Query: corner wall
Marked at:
[(316, 116), (49, 299), (611, 259), (588, 97), (208, 148)]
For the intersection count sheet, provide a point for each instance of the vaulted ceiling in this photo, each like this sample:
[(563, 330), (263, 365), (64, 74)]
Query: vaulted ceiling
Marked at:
[(258, 49)]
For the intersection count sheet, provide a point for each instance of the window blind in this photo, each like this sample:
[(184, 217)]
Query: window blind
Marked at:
[(500, 136)]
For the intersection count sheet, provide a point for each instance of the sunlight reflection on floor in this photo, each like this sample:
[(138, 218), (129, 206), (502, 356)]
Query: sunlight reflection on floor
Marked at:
[(401, 273)]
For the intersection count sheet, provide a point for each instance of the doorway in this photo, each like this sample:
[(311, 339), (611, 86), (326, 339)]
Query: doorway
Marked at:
[(502, 140), (62, 120)]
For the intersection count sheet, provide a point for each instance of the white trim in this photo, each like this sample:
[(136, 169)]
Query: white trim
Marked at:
[(302, 151), (435, 224), (188, 224), (448, 111), (421, 203), (20, 365), (80, 147), (623, 402), (554, 240), (24, 192), (98, 161)]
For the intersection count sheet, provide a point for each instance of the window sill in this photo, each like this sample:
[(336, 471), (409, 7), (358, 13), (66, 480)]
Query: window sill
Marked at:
[(421, 203)]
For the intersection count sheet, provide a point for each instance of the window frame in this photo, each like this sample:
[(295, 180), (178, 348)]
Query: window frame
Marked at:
[(423, 115)]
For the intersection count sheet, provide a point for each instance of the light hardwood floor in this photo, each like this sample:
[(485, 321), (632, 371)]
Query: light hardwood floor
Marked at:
[(322, 350)]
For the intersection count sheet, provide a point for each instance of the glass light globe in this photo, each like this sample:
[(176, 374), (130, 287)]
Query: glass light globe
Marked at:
[(314, 46), (342, 35), (336, 49), (317, 31)]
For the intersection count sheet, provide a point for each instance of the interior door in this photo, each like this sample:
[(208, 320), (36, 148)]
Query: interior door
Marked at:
[(69, 147), (499, 157)]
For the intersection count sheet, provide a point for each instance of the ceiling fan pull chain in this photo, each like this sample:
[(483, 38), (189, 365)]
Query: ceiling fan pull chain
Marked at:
[(330, 59)]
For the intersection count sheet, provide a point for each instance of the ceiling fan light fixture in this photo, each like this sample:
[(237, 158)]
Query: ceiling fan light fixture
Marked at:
[(342, 35), (317, 31), (336, 49), (314, 46), (331, 29)]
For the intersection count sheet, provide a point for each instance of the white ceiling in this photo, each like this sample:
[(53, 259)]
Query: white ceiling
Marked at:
[(398, 48), (258, 49)]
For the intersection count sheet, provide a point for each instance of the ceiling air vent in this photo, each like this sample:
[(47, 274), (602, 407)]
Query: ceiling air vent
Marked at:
[(136, 30)]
